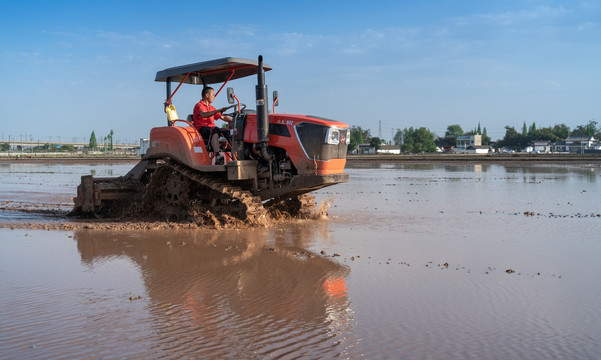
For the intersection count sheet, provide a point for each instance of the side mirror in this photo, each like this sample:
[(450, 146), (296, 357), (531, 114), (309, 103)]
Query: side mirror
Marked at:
[(276, 101), (230, 95)]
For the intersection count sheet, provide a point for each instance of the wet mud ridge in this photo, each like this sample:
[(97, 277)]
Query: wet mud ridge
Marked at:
[(137, 215)]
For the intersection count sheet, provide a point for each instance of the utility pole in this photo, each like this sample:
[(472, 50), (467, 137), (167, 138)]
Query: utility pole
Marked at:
[(380, 129)]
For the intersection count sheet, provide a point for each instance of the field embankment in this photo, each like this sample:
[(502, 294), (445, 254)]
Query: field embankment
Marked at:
[(351, 159), (529, 158)]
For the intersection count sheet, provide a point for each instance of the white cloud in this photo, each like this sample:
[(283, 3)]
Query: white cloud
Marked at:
[(22, 57), (509, 18), (587, 26), (371, 34), (353, 49), (293, 43)]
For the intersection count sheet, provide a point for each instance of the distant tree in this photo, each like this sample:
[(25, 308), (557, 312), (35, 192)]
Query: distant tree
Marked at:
[(110, 139), (357, 133), (513, 139), (478, 131), (93, 143), (356, 138), (585, 130), (407, 143), (418, 140), (366, 135), (545, 134), (450, 136), (4, 146), (532, 129), (453, 130), (592, 128), (398, 137), (524, 129), (375, 142), (485, 138), (561, 131), (67, 147), (579, 130), (425, 141)]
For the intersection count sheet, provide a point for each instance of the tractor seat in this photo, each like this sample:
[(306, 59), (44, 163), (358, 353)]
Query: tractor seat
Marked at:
[(190, 119)]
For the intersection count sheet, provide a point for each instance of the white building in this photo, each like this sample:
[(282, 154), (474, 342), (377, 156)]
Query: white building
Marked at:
[(389, 149), (477, 150), (542, 146), (575, 144)]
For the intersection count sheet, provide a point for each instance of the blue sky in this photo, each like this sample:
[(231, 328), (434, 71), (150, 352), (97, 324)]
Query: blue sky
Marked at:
[(68, 68)]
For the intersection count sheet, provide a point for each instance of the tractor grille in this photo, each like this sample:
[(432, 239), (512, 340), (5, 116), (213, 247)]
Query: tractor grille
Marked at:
[(313, 140)]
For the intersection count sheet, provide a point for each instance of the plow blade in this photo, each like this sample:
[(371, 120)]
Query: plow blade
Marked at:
[(92, 192)]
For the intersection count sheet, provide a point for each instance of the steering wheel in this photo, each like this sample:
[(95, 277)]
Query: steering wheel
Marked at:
[(232, 114)]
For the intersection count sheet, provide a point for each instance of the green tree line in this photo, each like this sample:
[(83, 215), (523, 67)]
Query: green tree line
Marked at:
[(418, 140)]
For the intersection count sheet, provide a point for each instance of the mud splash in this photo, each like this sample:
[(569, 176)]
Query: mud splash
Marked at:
[(134, 217)]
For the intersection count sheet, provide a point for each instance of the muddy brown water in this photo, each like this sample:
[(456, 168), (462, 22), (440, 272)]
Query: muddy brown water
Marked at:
[(415, 261)]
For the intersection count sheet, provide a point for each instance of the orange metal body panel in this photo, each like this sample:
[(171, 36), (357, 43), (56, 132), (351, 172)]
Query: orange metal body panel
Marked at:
[(292, 144), (182, 143)]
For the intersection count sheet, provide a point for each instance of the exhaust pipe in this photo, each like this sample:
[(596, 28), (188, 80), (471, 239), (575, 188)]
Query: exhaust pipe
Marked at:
[(261, 94)]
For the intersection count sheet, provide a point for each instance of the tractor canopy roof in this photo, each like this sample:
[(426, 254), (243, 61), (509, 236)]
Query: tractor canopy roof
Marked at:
[(213, 71)]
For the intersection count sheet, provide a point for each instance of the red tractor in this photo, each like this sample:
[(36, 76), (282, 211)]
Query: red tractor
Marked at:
[(269, 159)]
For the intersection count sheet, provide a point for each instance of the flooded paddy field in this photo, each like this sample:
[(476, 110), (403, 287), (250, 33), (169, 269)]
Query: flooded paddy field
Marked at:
[(415, 261)]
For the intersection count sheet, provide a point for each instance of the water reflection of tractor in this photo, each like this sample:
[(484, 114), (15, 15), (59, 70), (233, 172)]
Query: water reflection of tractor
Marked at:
[(270, 159), (206, 277)]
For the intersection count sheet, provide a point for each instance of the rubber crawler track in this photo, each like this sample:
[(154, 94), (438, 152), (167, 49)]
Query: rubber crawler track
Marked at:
[(254, 207)]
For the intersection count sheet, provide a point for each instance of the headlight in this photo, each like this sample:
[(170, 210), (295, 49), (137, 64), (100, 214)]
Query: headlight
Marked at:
[(333, 136)]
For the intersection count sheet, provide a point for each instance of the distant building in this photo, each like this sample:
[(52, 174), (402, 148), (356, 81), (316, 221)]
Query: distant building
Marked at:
[(366, 149), (389, 149), (542, 146), (482, 149), (466, 141), (507, 150), (560, 146), (575, 144)]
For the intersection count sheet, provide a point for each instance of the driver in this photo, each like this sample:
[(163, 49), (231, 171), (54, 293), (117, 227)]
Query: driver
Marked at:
[(204, 117)]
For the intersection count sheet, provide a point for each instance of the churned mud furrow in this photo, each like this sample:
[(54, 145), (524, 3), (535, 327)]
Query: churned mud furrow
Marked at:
[(163, 215)]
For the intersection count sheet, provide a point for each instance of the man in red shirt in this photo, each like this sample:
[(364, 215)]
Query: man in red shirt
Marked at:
[(204, 116)]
